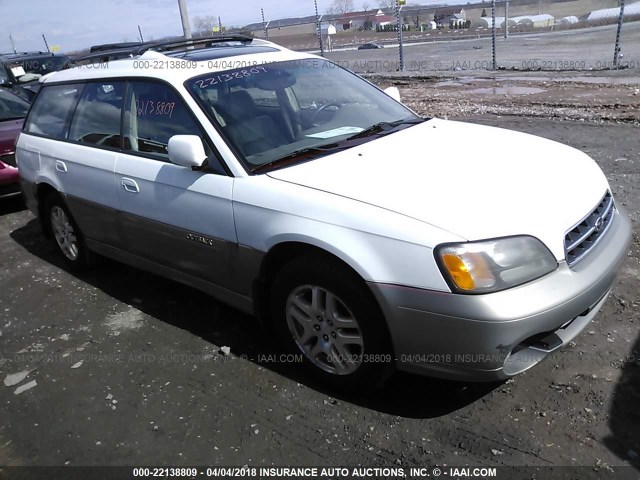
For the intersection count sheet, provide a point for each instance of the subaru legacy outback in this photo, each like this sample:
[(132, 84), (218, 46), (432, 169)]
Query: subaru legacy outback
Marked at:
[(294, 190)]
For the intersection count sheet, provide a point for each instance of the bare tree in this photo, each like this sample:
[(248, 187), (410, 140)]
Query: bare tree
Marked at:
[(365, 6), (417, 18), (205, 25), (340, 7), (387, 4)]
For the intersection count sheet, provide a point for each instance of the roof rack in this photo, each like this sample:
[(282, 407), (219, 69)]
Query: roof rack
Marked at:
[(114, 46), (20, 54), (205, 41), (102, 56)]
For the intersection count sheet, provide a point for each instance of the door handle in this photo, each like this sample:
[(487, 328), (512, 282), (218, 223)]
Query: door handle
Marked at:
[(130, 185), (61, 166)]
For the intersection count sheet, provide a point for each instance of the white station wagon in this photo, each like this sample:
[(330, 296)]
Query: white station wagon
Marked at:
[(292, 189)]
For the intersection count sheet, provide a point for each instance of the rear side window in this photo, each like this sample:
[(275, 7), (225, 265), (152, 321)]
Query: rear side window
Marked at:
[(52, 110), (12, 106), (97, 118)]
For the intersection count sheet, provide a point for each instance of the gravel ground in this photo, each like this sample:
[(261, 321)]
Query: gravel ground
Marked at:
[(126, 368), (585, 97)]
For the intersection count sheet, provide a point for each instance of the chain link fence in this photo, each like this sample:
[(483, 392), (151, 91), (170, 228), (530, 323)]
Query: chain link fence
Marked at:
[(521, 35)]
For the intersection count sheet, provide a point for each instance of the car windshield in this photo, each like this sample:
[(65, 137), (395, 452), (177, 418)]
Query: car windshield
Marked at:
[(12, 106), (279, 114), (31, 69)]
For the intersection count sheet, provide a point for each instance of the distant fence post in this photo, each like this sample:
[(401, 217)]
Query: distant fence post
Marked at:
[(506, 19), (493, 33), (399, 4), (265, 26), (319, 28), (616, 53)]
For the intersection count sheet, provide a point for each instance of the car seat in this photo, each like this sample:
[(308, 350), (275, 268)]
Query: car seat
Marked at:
[(251, 132)]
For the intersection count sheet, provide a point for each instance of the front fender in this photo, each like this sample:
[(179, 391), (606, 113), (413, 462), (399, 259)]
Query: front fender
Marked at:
[(381, 246)]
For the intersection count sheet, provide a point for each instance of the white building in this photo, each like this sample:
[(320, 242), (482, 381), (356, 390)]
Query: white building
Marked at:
[(613, 13), (570, 20)]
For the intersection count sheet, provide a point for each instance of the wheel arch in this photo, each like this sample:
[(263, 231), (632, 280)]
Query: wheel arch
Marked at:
[(286, 251), (43, 191)]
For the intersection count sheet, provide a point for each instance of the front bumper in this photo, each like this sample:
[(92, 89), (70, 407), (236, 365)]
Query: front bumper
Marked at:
[(496, 336)]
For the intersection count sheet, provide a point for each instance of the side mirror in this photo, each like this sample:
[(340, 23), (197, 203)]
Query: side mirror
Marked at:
[(394, 93), (187, 151)]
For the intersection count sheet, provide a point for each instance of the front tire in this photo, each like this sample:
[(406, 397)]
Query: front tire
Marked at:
[(326, 312), (65, 233)]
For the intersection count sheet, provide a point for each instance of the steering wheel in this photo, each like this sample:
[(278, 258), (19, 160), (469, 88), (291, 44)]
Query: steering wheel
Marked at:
[(323, 108)]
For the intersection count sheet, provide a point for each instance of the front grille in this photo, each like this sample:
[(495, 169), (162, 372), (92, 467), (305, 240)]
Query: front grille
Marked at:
[(584, 236)]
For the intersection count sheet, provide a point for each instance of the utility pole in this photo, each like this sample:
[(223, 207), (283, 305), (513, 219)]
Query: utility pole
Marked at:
[(45, 43), (265, 26), (493, 30), (616, 53), (140, 32), (219, 25), (186, 27), (506, 19), (319, 28)]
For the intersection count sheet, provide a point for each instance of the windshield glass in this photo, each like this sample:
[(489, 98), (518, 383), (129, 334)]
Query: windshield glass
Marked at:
[(12, 106), (293, 111)]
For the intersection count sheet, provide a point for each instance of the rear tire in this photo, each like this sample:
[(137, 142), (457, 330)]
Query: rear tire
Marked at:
[(326, 312), (65, 234)]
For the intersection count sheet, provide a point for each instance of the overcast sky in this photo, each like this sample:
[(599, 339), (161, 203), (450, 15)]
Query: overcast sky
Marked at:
[(77, 24)]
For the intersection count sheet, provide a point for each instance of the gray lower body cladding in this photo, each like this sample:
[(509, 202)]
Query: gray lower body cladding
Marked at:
[(495, 336)]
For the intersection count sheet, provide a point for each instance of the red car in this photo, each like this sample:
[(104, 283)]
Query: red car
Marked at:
[(12, 112)]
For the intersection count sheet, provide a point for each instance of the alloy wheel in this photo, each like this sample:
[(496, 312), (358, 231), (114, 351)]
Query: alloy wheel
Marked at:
[(325, 330)]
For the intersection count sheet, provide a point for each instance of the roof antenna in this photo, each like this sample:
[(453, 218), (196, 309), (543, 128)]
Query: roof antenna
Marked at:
[(45, 43), (13, 45)]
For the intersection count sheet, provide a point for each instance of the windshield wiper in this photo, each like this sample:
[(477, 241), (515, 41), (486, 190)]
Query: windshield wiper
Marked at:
[(321, 150), (341, 145), (384, 127)]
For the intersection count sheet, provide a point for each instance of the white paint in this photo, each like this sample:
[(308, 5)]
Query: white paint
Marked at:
[(25, 387), (117, 323), (16, 378)]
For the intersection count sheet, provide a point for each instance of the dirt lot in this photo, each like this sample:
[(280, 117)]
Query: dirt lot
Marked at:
[(129, 370), (585, 97)]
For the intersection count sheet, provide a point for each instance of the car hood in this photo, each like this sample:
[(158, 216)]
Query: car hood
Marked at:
[(9, 130), (474, 181)]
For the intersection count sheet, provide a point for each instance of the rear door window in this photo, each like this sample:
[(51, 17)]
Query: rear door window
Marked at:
[(52, 110), (97, 118)]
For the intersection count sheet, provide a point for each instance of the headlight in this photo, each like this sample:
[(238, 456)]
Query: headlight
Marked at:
[(494, 265)]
